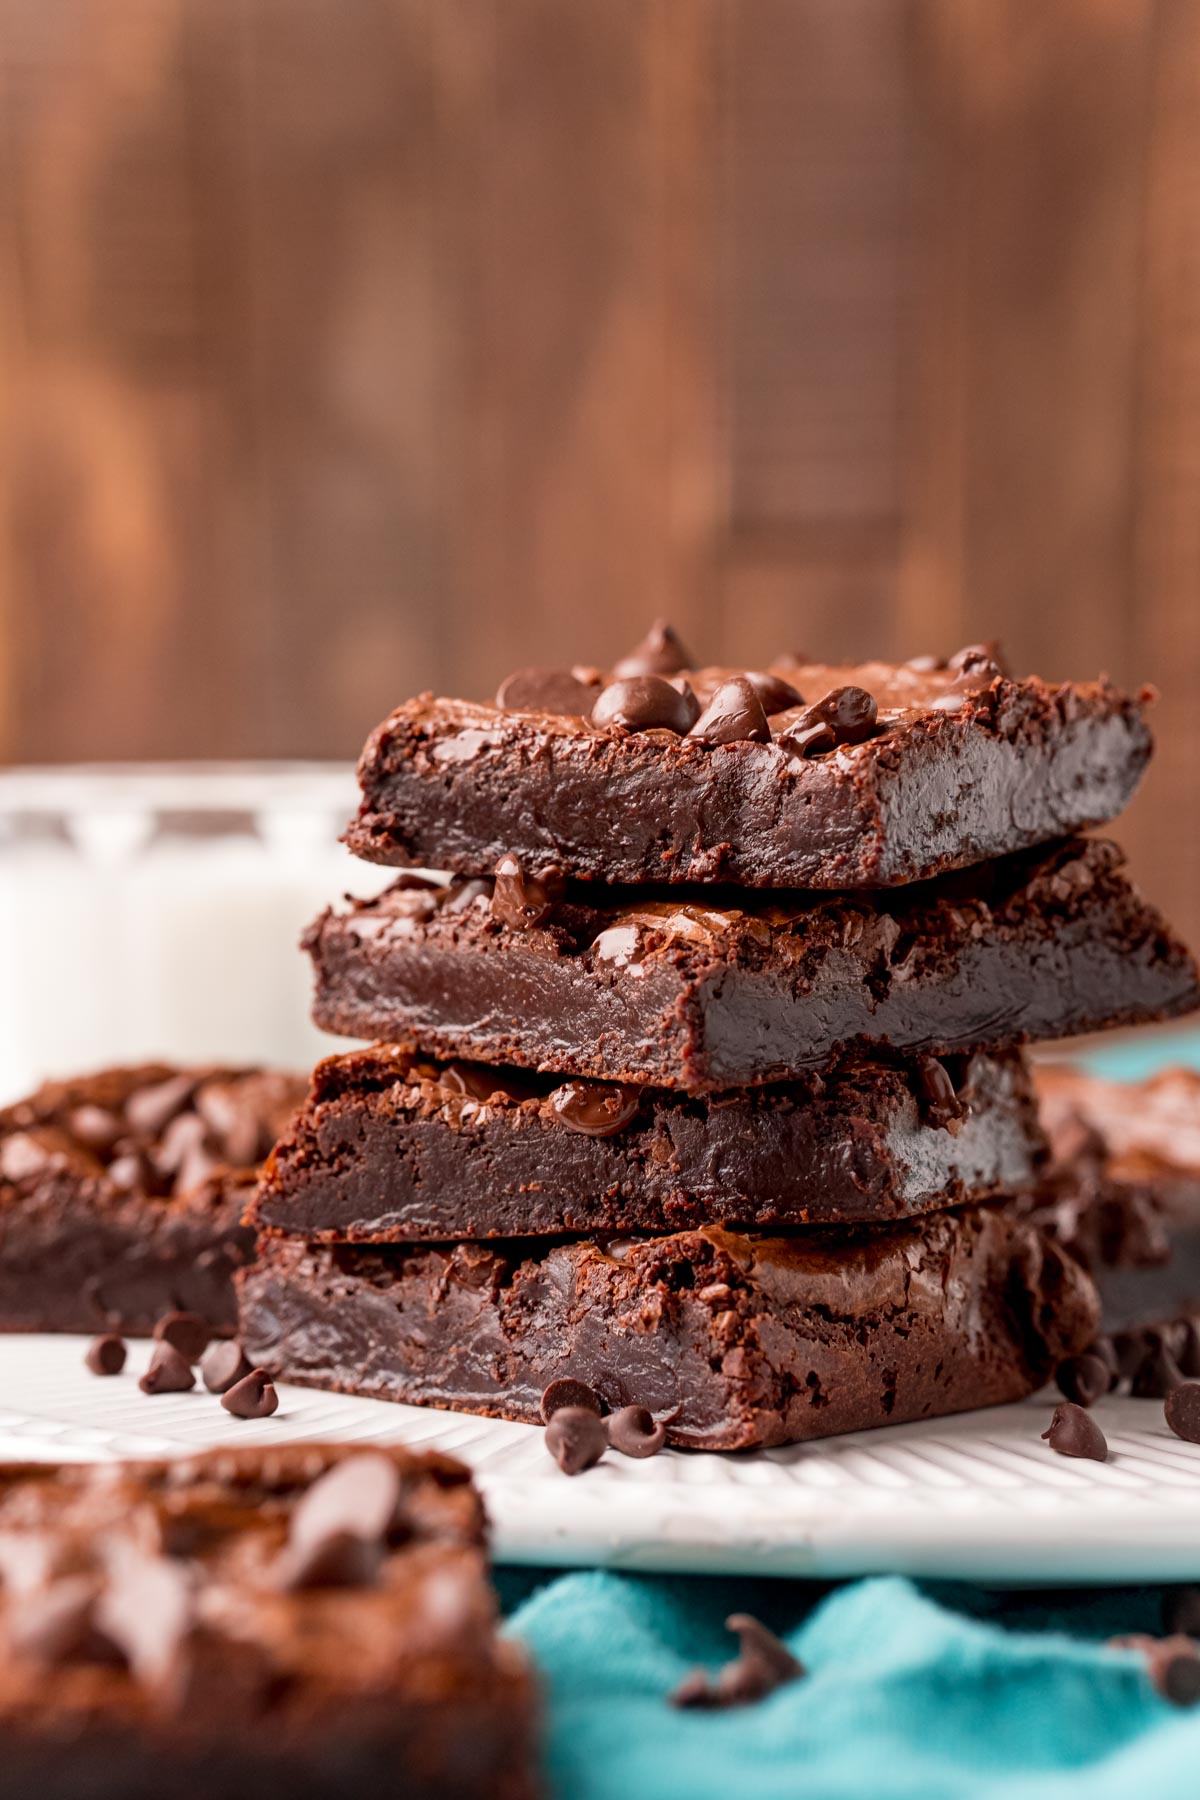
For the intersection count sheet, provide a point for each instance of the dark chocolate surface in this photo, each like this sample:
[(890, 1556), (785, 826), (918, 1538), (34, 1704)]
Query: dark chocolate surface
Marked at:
[(963, 764), (392, 1147), (707, 992), (302, 1621), (734, 1341), (122, 1194)]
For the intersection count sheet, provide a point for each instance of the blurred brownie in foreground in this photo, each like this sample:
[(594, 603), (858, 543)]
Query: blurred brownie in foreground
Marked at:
[(310, 1622), (122, 1194), (799, 775), (392, 1146), (733, 1341), (718, 989)]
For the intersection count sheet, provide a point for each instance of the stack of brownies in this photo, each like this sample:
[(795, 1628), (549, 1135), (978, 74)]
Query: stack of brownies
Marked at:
[(698, 1077)]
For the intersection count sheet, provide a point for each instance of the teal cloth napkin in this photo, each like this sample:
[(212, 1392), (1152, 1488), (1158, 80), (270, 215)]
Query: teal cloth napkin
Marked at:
[(913, 1692)]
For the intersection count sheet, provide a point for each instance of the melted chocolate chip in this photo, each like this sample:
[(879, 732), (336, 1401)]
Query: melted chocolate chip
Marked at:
[(186, 1332), (647, 703), (847, 715), (519, 901), (1073, 1432), (659, 653), (568, 1392), (634, 1432), (1182, 1409), (1156, 1375), (169, 1373), (595, 1108), (734, 715), (253, 1397), (940, 1105), (106, 1355), (223, 1365), (1083, 1379), (763, 1664), (547, 691), (775, 694), (575, 1438)]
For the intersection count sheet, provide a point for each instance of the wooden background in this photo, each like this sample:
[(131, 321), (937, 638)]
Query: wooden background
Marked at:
[(353, 346)]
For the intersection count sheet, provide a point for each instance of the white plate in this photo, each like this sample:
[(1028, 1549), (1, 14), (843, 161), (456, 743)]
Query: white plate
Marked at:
[(978, 1496)]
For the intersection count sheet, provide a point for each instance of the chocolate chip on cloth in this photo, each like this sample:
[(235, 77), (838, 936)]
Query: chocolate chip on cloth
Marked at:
[(186, 1332), (1072, 1432), (223, 1365), (575, 1438), (659, 653), (169, 1372), (520, 901), (734, 715), (634, 1431), (253, 1397), (1182, 1409), (763, 1664), (1083, 1379), (595, 1108), (647, 703), (106, 1355)]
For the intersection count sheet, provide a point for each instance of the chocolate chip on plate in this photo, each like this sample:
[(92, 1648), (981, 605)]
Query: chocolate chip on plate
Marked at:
[(575, 1438), (169, 1372), (547, 691), (647, 703), (106, 1355), (595, 1108), (634, 1431), (223, 1365), (186, 1332), (1073, 1432), (566, 1391), (734, 715), (659, 653), (1182, 1409), (253, 1397), (763, 1664), (520, 901), (775, 694), (1083, 1379)]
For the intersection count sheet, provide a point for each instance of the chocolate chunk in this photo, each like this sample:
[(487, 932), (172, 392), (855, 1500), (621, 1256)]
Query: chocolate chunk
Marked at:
[(186, 1332), (940, 1105), (567, 1392), (1157, 1373), (520, 901), (1182, 1409), (58, 1624), (659, 653), (1083, 1379), (169, 1372), (150, 1109), (106, 1355), (575, 1438), (361, 1495), (634, 1432), (595, 1108), (253, 1397), (1072, 1432), (1181, 1610), (342, 1559), (763, 1664), (775, 694), (846, 715), (734, 715), (546, 691), (223, 1365), (647, 703)]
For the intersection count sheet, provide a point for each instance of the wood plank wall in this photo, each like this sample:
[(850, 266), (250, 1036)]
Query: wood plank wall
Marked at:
[(353, 346)]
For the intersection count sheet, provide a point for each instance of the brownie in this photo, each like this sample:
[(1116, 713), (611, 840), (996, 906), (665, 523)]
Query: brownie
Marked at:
[(122, 1194), (713, 989), (391, 1146), (957, 762), (302, 1623), (734, 1341)]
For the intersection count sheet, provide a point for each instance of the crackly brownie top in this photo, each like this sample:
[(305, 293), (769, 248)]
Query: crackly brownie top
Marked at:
[(241, 1586), (152, 1131)]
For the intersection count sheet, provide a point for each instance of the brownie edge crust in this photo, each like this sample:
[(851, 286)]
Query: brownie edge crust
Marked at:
[(734, 1341)]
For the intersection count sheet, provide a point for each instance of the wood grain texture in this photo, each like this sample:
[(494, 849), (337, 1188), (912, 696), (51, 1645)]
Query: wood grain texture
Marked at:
[(351, 348)]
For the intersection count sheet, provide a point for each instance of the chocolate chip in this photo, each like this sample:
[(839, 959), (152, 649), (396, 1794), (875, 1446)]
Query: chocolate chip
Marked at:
[(169, 1373), (647, 703), (234, 1122), (146, 1608), (846, 715), (475, 1082), (1187, 1348), (520, 901), (981, 661), (1083, 1379), (575, 1438), (634, 1432), (223, 1365), (595, 1108), (184, 1153), (940, 1105), (1073, 1432), (567, 1392), (150, 1109), (26, 1153), (133, 1172), (924, 665), (1182, 1410), (775, 694), (343, 1559), (360, 1494), (763, 1664), (1156, 1375), (1102, 1347), (253, 1397), (659, 653), (547, 691), (734, 715), (186, 1332), (1129, 1348), (58, 1624), (106, 1355), (95, 1126), (1181, 1610)]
